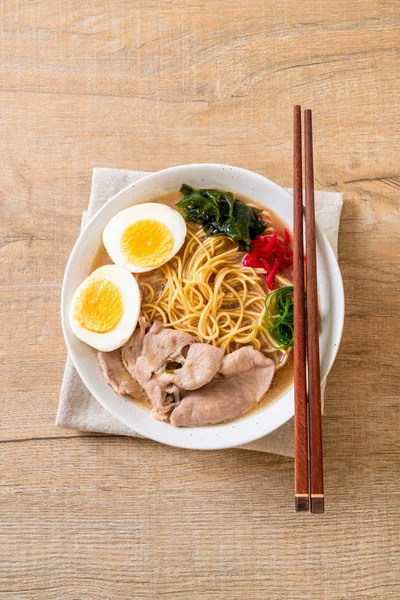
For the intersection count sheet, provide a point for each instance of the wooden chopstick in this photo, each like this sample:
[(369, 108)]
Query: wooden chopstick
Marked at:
[(314, 382), (299, 350)]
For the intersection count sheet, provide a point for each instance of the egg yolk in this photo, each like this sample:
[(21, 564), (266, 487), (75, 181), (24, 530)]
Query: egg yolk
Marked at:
[(98, 306), (147, 243)]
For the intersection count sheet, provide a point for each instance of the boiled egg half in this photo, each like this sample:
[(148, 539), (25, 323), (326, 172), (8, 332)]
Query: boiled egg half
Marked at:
[(105, 308), (145, 236)]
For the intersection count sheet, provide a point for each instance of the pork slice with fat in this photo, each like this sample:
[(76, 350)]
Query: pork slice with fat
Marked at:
[(116, 375), (145, 357), (131, 351), (201, 364), (162, 345)]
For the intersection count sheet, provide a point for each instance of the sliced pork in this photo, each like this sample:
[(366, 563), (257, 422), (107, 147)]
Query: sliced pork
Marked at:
[(188, 383), (131, 351), (242, 360), (116, 375), (147, 357), (162, 345), (226, 399), (202, 363)]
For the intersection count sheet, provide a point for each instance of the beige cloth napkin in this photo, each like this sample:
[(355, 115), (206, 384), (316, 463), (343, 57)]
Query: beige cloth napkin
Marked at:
[(79, 410)]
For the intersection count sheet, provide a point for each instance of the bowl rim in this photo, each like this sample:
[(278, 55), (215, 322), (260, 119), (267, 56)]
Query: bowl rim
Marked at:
[(287, 411)]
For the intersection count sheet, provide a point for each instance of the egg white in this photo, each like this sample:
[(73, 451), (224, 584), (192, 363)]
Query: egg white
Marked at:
[(153, 211), (116, 337)]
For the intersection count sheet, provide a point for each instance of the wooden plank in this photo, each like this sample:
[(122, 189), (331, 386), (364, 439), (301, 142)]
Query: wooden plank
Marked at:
[(147, 85), (116, 518)]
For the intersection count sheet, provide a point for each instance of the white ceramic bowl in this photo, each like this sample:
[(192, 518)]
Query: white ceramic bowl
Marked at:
[(84, 358)]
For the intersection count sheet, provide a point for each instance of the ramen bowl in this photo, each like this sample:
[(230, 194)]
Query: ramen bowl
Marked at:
[(256, 424)]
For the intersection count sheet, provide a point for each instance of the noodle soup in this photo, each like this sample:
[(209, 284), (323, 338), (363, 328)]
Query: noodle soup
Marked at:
[(205, 291)]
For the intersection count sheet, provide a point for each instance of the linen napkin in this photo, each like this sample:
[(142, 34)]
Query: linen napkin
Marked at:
[(78, 409)]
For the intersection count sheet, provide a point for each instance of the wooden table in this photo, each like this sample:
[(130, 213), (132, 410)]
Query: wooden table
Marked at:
[(149, 84)]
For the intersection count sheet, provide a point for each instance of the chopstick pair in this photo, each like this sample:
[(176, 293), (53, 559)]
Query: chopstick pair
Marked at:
[(309, 481)]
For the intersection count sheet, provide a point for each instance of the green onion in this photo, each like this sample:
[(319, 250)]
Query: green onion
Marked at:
[(279, 316)]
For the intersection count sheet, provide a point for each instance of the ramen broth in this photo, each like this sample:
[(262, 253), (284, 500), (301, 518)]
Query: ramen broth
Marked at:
[(283, 378)]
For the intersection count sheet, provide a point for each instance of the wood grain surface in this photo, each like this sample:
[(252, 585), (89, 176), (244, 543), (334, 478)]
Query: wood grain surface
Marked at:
[(146, 84)]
